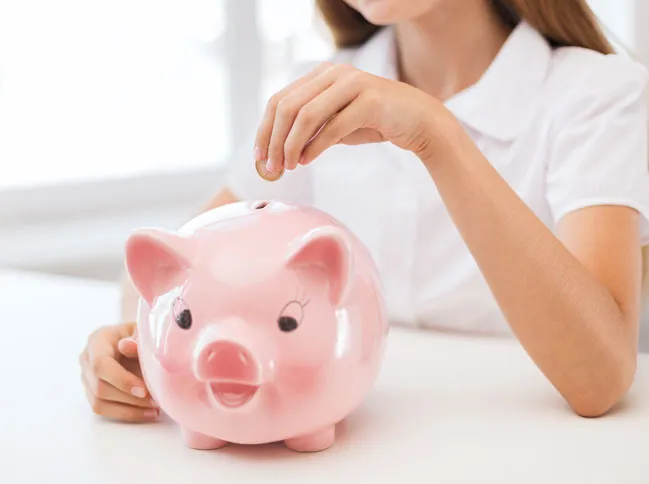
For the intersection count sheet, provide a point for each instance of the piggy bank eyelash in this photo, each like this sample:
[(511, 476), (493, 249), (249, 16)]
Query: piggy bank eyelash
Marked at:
[(182, 314), (300, 298)]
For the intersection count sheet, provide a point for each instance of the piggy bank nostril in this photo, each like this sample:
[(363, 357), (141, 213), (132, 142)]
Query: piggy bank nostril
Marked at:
[(239, 358), (228, 362)]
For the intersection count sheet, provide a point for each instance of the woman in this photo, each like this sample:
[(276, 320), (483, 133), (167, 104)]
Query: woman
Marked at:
[(491, 154)]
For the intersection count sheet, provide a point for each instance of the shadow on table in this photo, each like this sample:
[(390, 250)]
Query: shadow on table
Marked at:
[(395, 422), (366, 424), (409, 414), (357, 429)]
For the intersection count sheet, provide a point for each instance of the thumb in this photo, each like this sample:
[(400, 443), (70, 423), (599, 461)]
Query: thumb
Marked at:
[(128, 347), (362, 136)]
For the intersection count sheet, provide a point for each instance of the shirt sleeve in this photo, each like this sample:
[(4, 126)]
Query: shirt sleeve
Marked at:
[(600, 154)]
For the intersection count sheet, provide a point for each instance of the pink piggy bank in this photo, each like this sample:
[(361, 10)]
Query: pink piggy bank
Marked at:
[(258, 322)]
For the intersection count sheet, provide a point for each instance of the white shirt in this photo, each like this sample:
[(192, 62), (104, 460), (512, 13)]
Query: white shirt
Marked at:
[(566, 128)]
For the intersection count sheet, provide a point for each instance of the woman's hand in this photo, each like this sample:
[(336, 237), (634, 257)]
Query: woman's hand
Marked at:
[(112, 377), (338, 104)]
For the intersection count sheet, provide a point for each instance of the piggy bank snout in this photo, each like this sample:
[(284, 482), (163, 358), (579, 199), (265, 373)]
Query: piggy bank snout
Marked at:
[(234, 365), (228, 361)]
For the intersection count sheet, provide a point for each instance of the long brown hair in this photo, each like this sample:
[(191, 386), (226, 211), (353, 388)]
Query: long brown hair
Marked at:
[(561, 22)]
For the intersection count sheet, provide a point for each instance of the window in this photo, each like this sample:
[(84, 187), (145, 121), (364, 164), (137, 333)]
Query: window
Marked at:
[(121, 113), (289, 40), (95, 90), (619, 20)]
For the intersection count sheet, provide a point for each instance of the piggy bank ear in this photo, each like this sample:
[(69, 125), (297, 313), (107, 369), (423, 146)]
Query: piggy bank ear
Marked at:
[(157, 261), (326, 252)]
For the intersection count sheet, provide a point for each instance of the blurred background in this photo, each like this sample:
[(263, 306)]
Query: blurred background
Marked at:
[(121, 113)]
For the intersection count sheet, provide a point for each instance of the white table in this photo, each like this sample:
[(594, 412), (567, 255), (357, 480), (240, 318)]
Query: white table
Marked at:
[(446, 409)]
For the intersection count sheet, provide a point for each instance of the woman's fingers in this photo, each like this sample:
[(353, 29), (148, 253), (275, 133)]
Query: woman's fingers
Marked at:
[(111, 375), (112, 390), (119, 411), (127, 347), (331, 105), (341, 126), (108, 369), (326, 108), (264, 132), (344, 128), (287, 111), (105, 391), (290, 107), (362, 136)]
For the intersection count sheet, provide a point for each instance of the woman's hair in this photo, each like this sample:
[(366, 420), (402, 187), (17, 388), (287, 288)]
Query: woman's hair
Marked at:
[(561, 22)]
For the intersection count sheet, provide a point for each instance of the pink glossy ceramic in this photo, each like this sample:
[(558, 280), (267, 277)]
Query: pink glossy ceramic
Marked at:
[(258, 322)]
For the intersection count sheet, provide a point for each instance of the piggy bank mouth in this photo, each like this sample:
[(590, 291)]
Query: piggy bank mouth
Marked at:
[(231, 395), (231, 372)]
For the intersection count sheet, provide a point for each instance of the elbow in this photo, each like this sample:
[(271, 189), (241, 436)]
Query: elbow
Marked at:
[(601, 397), (593, 407)]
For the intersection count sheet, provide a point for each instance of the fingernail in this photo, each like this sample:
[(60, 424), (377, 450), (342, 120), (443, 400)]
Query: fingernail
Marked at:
[(151, 414), (269, 166), (258, 154), (138, 392), (302, 160)]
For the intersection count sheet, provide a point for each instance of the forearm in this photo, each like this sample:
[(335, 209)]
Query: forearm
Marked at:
[(568, 322)]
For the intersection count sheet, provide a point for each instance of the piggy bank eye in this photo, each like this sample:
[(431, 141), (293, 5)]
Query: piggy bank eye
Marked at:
[(290, 317), (184, 319), (182, 314), (287, 323)]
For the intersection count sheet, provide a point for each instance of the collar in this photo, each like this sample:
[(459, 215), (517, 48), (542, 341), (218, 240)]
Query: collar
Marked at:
[(505, 98)]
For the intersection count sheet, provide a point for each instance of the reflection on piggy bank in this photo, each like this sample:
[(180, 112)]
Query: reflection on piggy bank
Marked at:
[(258, 322)]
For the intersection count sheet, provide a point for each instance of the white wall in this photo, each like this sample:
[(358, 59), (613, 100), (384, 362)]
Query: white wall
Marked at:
[(618, 16), (80, 229)]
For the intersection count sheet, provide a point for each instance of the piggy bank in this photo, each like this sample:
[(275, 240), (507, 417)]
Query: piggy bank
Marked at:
[(258, 322)]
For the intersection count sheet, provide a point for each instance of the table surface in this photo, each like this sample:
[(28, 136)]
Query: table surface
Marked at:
[(445, 409)]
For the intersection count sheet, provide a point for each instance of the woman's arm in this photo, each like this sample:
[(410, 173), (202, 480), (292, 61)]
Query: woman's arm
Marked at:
[(572, 302), (129, 295)]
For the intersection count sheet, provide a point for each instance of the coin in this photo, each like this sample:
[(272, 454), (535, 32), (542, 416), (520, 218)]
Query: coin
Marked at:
[(261, 170)]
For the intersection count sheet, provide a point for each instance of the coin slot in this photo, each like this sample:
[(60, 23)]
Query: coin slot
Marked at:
[(260, 205)]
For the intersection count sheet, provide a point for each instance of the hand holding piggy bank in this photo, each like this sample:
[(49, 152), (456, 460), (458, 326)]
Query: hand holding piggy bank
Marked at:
[(258, 322)]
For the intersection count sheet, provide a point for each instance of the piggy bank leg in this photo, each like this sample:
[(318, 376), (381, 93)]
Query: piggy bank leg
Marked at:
[(314, 442), (201, 442)]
